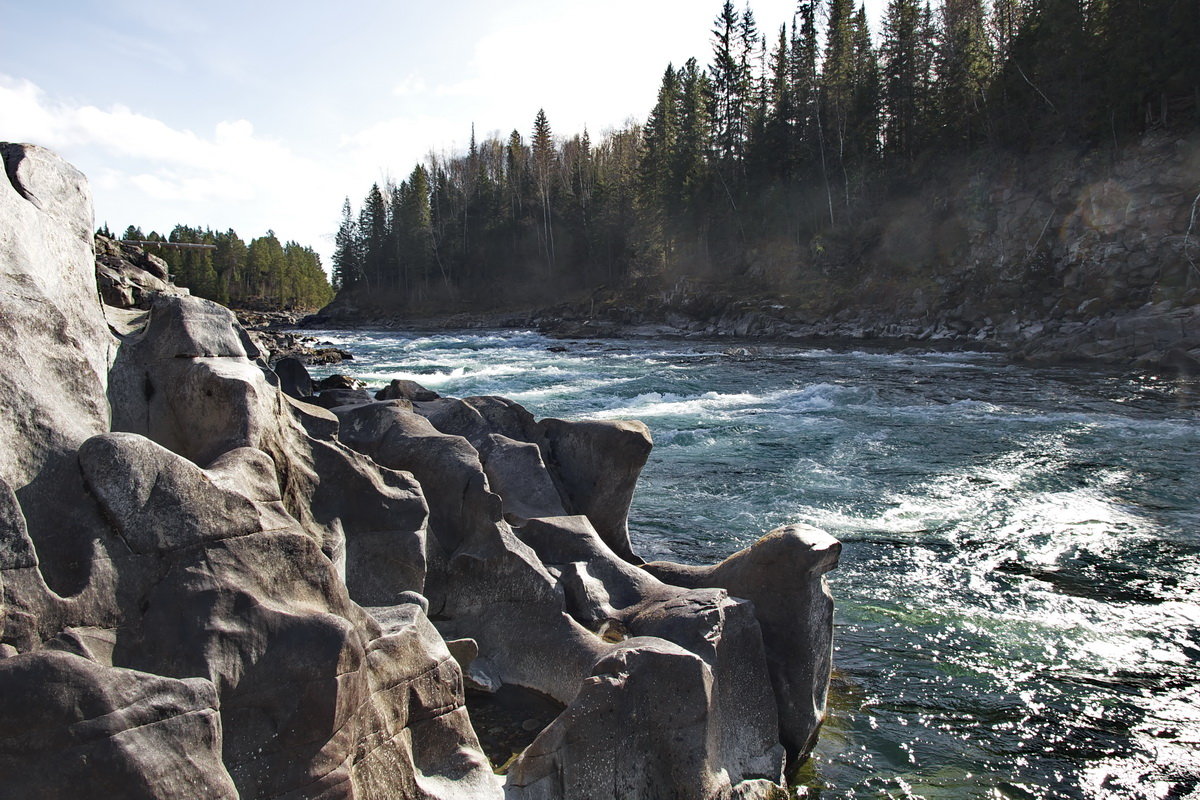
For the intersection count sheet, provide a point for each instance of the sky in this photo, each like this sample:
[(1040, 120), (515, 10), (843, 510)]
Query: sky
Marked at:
[(266, 114)]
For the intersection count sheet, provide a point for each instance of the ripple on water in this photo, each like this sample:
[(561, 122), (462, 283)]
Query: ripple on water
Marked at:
[(1018, 609)]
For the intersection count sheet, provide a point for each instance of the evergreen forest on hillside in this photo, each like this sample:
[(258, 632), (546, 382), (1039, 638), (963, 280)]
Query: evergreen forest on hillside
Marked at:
[(786, 137), (264, 272)]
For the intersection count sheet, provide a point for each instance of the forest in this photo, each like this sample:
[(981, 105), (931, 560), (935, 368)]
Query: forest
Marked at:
[(264, 272), (784, 138)]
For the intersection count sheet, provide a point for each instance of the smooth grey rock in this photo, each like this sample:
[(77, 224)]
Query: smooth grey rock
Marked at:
[(70, 727), (405, 390), (54, 349), (214, 540), (544, 605), (783, 575), (603, 591), (128, 277), (619, 738), (483, 582), (516, 472), (294, 379), (596, 466), (335, 398), (243, 596), (158, 502), (474, 418)]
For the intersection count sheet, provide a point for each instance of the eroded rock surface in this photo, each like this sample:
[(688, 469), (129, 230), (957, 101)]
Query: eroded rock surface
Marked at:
[(215, 588), (207, 644), (783, 575)]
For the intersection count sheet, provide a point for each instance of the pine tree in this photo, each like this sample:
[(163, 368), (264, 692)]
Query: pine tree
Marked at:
[(752, 81), (228, 260), (902, 77), (347, 263), (728, 86), (837, 77), (1003, 24), (659, 141), (1150, 51), (805, 85), (543, 153), (265, 265), (864, 131), (964, 69), (1048, 83), (415, 219), (695, 141), (774, 154), (372, 232)]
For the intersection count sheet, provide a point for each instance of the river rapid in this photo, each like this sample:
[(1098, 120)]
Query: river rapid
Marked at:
[(1018, 600)]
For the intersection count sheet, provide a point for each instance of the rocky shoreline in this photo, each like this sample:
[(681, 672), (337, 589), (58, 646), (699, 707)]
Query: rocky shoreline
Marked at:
[(1160, 337), (220, 580)]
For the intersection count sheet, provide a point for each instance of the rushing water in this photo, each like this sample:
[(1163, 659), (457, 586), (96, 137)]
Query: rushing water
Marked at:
[(1018, 601)]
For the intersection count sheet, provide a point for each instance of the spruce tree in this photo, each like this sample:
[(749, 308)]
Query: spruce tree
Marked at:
[(751, 81), (837, 74), (347, 265), (805, 85), (543, 156), (372, 232), (774, 154), (866, 100), (964, 69), (695, 141), (659, 141), (728, 85), (902, 78)]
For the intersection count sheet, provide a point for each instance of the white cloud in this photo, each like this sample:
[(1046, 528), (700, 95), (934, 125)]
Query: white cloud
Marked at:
[(410, 85), (147, 173)]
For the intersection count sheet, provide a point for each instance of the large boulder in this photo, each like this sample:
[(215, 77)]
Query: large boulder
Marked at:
[(783, 574), (219, 590), (642, 726), (70, 725), (55, 348), (593, 465), (597, 465)]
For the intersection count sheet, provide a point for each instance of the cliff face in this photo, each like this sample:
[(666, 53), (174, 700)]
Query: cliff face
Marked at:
[(1051, 235), (211, 588)]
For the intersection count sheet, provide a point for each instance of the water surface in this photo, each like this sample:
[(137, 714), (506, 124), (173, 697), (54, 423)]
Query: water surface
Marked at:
[(1018, 602)]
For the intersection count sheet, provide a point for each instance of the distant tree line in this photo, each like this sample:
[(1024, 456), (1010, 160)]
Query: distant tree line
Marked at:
[(263, 272), (781, 138)]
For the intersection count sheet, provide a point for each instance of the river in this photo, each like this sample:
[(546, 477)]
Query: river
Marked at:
[(1018, 601)]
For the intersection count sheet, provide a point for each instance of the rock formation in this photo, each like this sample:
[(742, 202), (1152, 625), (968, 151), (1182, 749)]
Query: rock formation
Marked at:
[(211, 587), (128, 276)]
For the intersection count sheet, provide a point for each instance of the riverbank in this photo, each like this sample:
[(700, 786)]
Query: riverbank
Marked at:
[(1066, 254), (1162, 337)]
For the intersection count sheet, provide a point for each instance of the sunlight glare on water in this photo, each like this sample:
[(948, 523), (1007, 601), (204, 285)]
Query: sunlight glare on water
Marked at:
[(1018, 603)]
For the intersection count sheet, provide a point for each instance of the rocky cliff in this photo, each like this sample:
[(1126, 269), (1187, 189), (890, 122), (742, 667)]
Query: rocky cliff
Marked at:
[(210, 587)]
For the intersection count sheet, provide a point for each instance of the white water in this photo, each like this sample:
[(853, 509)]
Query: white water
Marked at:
[(1019, 595)]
